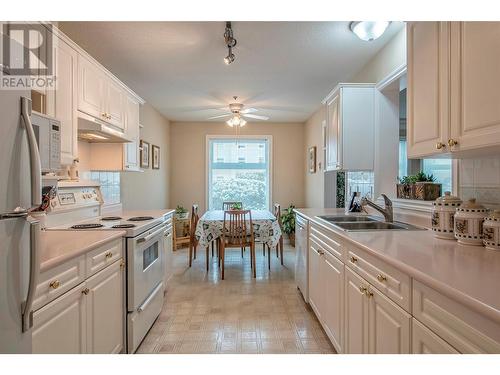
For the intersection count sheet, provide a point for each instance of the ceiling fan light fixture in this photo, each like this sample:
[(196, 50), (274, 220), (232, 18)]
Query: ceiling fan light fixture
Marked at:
[(369, 30)]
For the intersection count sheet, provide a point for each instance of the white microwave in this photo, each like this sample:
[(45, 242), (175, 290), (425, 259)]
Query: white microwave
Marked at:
[(48, 137)]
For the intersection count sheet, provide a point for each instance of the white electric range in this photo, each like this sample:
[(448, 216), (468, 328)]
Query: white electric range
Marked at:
[(78, 207)]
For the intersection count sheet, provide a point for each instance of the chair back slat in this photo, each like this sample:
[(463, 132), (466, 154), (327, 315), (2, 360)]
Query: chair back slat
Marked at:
[(238, 228), (228, 205), (277, 213), (193, 221)]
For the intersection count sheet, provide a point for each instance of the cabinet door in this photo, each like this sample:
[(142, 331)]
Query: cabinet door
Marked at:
[(115, 103), (168, 258), (332, 279), (65, 100), (332, 133), (424, 341), (90, 89), (475, 62), (315, 297), (389, 325), (105, 310), (356, 314), (132, 148), (59, 327), (427, 92)]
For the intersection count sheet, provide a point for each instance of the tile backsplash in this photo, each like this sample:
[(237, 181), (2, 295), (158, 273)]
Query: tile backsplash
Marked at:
[(480, 179), (110, 185)]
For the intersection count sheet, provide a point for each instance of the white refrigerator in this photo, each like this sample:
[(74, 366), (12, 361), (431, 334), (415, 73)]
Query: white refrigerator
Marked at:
[(19, 235)]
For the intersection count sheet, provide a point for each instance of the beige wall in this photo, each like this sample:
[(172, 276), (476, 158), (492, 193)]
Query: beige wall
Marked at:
[(314, 182), (188, 152), (150, 189)]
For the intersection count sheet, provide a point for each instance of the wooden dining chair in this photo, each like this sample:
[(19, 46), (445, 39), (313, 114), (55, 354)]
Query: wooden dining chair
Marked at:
[(193, 242), (228, 206), (237, 233), (279, 246)]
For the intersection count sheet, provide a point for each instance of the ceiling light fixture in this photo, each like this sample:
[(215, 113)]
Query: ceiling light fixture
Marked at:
[(236, 121), (369, 30), (230, 44)]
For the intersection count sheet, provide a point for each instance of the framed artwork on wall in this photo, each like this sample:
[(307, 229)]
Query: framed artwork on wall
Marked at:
[(312, 159), (144, 154), (155, 157)]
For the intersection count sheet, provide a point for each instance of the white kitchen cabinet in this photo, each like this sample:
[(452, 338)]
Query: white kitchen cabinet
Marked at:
[(452, 88), (65, 100), (131, 149), (60, 326), (424, 341), (350, 127), (315, 286), (115, 103), (91, 90), (105, 310), (332, 279), (373, 323)]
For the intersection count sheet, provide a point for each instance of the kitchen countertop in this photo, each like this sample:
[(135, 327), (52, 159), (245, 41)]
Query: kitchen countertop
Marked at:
[(58, 246), (155, 213), (468, 274)]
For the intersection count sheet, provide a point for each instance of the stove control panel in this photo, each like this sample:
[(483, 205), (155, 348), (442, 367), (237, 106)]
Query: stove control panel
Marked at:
[(76, 197)]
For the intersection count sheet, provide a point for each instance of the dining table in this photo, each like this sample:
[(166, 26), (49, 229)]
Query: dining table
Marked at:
[(266, 227)]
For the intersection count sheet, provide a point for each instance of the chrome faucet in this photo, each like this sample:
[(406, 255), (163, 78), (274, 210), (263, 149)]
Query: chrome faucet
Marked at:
[(387, 211)]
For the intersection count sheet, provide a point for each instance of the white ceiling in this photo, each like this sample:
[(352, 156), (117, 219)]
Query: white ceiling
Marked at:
[(283, 68)]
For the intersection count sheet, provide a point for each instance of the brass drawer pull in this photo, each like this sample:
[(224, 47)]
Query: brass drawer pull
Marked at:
[(368, 293), (354, 259), (55, 284), (122, 264), (86, 291), (109, 254), (440, 145), (381, 277), (452, 142), (321, 252), (363, 289)]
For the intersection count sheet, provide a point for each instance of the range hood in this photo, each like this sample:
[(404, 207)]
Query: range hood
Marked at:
[(94, 130)]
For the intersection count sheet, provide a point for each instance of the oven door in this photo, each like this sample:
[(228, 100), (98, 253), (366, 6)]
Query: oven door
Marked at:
[(145, 265)]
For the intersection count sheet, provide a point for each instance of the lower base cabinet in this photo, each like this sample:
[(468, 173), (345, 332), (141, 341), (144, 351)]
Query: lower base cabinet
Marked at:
[(86, 319), (424, 341), (374, 324)]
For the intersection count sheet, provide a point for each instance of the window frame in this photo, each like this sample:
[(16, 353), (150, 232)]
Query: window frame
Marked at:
[(270, 175)]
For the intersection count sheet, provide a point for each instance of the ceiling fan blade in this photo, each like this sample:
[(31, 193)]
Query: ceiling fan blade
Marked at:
[(219, 116), (258, 117), (249, 110)]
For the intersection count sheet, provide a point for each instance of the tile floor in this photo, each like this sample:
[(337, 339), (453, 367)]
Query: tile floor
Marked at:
[(203, 314)]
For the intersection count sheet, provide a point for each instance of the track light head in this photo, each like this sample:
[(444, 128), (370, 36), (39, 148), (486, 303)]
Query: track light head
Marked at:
[(230, 43)]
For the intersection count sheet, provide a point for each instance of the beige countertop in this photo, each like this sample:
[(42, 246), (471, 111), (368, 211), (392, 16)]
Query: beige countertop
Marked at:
[(468, 274), (58, 246), (154, 213)]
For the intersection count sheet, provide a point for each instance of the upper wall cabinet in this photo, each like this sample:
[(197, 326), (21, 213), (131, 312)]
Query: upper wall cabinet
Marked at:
[(131, 149), (350, 122), (453, 78), (98, 94)]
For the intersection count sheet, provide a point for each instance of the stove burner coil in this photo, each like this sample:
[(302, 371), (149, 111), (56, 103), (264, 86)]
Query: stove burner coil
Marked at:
[(87, 226), (111, 218), (123, 226), (141, 218)]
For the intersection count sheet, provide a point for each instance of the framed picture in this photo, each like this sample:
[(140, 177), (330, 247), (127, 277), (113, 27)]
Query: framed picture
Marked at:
[(144, 154), (312, 159), (156, 157)]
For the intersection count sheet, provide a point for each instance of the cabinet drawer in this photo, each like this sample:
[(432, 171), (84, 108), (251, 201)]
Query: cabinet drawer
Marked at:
[(392, 282), (464, 329), (103, 256), (58, 280), (325, 239), (424, 341)]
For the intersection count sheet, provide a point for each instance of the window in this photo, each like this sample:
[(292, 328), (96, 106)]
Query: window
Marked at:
[(239, 170)]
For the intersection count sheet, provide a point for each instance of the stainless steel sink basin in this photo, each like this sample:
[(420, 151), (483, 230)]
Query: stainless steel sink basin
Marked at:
[(365, 223), (345, 218)]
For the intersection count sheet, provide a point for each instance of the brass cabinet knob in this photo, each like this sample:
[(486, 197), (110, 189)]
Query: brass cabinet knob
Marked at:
[(381, 277), (440, 145), (86, 291), (109, 254), (321, 252), (122, 264), (368, 293), (354, 259), (55, 284), (363, 289), (452, 142)]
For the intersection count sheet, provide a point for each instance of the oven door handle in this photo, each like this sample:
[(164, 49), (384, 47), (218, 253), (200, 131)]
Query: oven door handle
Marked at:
[(150, 236), (150, 298)]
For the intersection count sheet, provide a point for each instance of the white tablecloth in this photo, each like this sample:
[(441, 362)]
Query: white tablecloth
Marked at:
[(265, 227)]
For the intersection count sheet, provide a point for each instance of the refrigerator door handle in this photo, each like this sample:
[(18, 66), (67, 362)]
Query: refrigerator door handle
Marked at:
[(34, 271), (35, 164), (14, 214)]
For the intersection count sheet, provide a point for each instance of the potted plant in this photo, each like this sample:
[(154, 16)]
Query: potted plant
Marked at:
[(181, 213), (419, 186), (288, 223)]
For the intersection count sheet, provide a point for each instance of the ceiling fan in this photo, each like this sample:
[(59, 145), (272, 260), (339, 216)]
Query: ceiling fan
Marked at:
[(238, 113)]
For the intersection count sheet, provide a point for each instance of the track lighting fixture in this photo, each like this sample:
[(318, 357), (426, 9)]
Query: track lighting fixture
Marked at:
[(230, 44)]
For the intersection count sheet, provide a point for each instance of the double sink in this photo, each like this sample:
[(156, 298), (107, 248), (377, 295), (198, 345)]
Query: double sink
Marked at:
[(365, 223)]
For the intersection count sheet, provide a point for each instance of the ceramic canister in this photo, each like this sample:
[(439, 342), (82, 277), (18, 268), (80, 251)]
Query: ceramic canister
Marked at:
[(469, 223), (443, 212), (491, 231)]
